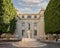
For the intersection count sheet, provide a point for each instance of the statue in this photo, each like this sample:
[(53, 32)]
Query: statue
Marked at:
[(28, 33)]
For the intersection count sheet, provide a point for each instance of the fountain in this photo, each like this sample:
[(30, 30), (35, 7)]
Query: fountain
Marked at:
[(28, 39), (29, 42)]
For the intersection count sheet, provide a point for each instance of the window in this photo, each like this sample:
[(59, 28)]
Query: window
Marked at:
[(28, 16), (23, 32), (35, 32), (35, 24), (23, 23), (29, 26), (22, 16), (35, 16)]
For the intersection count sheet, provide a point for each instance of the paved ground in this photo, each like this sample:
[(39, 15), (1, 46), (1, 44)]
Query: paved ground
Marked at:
[(9, 45), (29, 43), (52, 45)]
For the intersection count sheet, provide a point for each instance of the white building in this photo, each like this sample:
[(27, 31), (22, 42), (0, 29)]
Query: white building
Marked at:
[(34, 23)]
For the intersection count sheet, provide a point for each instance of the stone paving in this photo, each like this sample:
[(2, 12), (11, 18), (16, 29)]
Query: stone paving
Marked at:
[(29, 44), (9, 45)]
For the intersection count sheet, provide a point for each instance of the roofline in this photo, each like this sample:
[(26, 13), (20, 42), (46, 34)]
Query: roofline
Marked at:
[(28, 14), (33, 13)]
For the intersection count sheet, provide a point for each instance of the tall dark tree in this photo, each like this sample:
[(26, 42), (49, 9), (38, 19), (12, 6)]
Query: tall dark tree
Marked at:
[(7, 16), (52, 17)]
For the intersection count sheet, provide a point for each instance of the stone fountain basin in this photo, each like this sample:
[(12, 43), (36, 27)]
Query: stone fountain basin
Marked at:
[(28, 42)]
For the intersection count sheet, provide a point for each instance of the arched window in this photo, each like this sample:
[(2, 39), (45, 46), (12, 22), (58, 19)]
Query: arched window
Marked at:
[(23, 32), (35, 32)]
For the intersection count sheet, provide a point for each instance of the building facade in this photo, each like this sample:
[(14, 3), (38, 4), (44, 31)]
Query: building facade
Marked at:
[(34, 23)]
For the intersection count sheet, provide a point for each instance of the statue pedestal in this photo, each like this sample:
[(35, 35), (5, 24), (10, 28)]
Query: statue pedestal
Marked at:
[(28, 39)]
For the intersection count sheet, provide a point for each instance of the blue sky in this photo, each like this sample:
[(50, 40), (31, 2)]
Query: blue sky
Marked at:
[(30, 6)]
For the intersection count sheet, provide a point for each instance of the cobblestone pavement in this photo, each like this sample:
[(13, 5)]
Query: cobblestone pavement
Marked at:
[(9, 45)]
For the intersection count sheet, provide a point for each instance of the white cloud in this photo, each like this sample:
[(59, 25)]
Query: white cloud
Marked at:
[(30, 6), (18, 10), (26, 10), (44, 4), (31, 1)]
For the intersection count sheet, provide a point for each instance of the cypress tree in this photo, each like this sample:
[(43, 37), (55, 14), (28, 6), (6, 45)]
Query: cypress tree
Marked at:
[(7, 16), (52, 17)]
